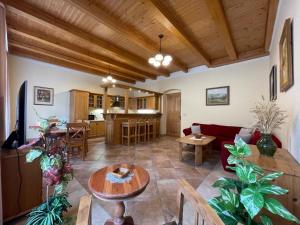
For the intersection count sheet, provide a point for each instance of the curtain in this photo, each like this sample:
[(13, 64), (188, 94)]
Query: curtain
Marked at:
[(4, 91)]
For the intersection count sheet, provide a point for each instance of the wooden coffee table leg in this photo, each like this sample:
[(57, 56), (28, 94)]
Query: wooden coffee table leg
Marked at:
[(198, 155), (180, 151)]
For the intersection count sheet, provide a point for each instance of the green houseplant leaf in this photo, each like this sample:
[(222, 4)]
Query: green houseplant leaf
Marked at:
[(271, 176), (225, 183), (277, 208), (246, 174), (33, 154), (252, 200), (265, 220), (272, 189)]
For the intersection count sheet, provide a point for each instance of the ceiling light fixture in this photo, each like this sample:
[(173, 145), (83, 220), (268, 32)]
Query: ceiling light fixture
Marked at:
[(109, 78), (160, 59)]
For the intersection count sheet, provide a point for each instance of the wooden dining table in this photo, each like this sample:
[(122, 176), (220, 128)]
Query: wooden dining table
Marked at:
[(117, 192)]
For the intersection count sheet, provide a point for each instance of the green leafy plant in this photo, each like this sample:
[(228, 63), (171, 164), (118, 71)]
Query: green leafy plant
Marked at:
[(241, 200), (50, 212), (56, 170)]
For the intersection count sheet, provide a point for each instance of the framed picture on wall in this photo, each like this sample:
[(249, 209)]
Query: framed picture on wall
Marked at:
[(43, 96), (217, 96), (273, 83), (286, 57)]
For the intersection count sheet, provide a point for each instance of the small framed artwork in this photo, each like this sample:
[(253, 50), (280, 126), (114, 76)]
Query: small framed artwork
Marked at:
[(43, 96), (286, 57), (273, 83), (217, 96)]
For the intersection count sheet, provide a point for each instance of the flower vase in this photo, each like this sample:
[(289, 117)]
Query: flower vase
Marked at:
[(266, 145)]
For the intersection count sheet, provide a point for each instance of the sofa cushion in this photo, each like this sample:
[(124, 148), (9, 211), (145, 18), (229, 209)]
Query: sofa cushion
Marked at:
[(195, 129)]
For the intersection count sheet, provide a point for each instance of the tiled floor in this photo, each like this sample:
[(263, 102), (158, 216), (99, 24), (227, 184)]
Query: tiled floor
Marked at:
[(157, 204)]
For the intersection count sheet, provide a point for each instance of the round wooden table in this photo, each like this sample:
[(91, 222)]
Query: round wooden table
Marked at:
[(106, 190)]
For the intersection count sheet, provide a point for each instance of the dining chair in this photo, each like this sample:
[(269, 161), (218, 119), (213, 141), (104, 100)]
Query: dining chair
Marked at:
[(76, 138)]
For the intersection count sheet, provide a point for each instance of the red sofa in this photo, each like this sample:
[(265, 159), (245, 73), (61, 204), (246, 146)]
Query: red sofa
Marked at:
[(222, 133), (225, 135)]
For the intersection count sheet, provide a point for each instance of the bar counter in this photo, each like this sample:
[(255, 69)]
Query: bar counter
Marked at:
[(113, 124)]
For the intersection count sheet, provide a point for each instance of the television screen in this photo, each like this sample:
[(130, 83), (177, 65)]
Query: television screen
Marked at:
[(22, 114)]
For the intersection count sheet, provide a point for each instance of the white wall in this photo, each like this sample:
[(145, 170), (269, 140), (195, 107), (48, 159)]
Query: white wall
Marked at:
[(290, 100), (248, 81), (47, 75)]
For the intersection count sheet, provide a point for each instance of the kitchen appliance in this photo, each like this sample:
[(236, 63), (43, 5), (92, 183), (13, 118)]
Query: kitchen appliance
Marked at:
[(91, 117)]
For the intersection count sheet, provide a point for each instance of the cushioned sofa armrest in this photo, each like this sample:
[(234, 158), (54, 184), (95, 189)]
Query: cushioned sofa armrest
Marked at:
[(187, 131)]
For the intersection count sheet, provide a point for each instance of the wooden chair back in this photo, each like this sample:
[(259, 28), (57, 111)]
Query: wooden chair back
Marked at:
[(204, 214), (84, 212), (76, 131)]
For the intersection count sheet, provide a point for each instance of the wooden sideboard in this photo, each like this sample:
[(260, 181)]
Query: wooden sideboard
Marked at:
[(21, 183), (282, 161)]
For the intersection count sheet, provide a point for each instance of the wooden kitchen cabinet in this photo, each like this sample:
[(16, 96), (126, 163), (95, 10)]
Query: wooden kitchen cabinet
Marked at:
[(97, 129), (150, 103), (79, 104), (95, 101), (132, 103)]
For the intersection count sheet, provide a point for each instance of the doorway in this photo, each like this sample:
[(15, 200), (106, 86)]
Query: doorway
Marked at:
[(173, 113)]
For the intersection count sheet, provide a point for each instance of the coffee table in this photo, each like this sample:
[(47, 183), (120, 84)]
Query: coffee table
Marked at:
[(106, 190), (198, 143)]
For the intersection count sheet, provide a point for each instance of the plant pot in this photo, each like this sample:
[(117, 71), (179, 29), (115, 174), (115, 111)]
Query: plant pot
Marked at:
[(266, 145)]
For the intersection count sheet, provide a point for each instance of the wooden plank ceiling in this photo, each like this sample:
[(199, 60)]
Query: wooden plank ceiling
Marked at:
[(118, 36)]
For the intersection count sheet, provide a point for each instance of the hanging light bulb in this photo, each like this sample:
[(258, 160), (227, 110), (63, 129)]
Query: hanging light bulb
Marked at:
[(113, 85), (151, 60), (104, 80), (156, 64), (165, 62), (159, 57), (109, 78), (168, 58), (113, 81)]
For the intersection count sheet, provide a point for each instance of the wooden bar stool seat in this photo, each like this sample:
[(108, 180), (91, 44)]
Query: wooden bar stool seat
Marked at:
[(141, 131), (151, 129), (129, 132)]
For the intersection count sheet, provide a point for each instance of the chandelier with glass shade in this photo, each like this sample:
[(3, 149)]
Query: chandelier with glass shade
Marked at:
[(109, 80), (160, 59)]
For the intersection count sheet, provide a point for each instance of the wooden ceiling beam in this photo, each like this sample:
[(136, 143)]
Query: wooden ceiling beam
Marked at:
[(252, 54), (66, 46), (116, 25), (33, 13), (54, 61), (169, 20), (49, 54), (272, 10), (218, 15)]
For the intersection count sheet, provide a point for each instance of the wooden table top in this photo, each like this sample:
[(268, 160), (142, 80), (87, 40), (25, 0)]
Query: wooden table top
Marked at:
[(282, 161), (203, 141), (61, 131), (106, 190)]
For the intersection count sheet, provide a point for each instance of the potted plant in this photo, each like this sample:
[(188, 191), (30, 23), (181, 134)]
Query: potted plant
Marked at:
[(268, 117), (241, 200), (56, 172)]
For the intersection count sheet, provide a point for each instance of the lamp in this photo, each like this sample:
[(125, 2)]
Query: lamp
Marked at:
[(160, 59)]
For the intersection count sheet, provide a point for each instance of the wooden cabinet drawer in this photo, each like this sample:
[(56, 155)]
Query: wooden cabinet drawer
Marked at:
[(97, 129)]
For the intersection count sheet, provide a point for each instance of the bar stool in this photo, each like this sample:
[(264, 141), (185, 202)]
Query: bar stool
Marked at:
[(141, 131), (129, 131), (151, 129)]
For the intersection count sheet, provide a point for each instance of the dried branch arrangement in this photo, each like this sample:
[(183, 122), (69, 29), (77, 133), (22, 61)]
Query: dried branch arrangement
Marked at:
[(268, 116)]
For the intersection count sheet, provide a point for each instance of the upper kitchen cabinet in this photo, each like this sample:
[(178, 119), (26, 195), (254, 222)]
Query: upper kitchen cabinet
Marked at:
[(79, 103), (95, 101)]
